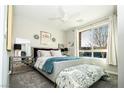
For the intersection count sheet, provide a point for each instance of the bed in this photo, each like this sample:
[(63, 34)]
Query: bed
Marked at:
[(58, 66)]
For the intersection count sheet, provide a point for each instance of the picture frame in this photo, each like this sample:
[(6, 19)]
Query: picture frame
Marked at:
[(45, 37)]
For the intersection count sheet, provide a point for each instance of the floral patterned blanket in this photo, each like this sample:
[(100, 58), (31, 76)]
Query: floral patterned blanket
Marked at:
[(81, 76)]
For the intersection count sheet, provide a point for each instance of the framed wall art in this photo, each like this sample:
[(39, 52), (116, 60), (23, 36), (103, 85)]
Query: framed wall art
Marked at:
[(45, 37)]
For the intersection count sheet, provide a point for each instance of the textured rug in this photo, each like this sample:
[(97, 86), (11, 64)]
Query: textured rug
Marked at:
[(111, 83), (33, 79)]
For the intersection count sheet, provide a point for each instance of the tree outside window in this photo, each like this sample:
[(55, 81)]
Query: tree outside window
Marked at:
[(93, 42)]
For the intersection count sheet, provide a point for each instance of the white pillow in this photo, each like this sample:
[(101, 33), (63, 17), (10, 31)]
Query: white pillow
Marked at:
[(43, 53), (56, 53)]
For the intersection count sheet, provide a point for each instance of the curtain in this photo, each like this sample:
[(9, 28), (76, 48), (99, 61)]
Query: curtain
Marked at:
[(112, 41), (76, 44)]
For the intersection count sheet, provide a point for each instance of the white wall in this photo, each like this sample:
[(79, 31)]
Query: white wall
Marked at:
[(4, 61), (26, 28), (70, 38), (121, 46)]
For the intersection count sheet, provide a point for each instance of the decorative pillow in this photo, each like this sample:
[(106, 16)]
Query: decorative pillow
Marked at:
[(43, 53), (56, 53)]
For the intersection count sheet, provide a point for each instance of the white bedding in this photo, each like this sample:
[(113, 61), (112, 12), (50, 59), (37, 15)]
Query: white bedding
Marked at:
[(41, 61), (59, 66), (82, 76)]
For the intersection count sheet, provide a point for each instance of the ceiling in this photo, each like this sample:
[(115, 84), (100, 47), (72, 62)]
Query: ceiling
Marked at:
[(73, 15)]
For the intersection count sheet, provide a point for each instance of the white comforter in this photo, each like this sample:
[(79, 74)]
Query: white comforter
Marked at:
[(41, 61), (81, 76), (58, 66)]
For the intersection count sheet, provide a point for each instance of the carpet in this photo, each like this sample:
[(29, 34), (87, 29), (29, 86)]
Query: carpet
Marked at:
[(33, 79)]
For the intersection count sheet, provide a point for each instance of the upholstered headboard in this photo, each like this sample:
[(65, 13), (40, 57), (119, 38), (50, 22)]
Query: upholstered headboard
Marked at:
[(36, 49)]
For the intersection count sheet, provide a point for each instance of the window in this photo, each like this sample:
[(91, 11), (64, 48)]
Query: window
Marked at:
[(87, 54), (93, 42)]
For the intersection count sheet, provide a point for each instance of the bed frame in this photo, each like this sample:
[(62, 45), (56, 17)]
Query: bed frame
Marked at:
[(36, 49)]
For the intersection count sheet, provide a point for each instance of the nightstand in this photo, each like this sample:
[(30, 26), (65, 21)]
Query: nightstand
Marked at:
[(17, 62), (66, 55)]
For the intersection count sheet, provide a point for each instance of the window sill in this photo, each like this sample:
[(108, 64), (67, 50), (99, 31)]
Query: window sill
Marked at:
[(102, 60)]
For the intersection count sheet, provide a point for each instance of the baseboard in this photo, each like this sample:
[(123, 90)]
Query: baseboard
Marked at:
[(111, 72)]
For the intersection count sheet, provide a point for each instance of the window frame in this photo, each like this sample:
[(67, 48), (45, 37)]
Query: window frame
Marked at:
[(92, 49)]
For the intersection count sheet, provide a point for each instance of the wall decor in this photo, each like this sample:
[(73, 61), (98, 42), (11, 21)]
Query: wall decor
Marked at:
[(71, 44), (36, 36), (60, 46), (45, 37), (53, 39)]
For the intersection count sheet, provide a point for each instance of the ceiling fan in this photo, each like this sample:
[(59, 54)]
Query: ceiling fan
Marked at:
[(64, 17)]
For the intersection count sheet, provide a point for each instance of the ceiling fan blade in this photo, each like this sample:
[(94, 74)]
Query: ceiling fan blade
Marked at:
[(61, 12), (63, 16)]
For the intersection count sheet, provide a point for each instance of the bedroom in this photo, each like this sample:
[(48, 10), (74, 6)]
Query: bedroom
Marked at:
[(84, 32)]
